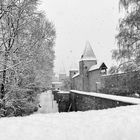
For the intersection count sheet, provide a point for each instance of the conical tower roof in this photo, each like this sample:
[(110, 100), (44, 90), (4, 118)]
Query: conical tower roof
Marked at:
[(73, 66), (88, 53), (62, 68)]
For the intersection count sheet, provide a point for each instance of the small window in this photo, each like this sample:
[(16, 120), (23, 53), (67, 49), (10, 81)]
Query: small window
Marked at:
[(85, 67), (103, 71)]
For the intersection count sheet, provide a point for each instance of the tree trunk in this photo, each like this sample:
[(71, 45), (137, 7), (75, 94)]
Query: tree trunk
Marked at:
[(4, 76)]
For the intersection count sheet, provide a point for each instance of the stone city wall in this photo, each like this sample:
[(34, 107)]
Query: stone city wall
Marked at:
[(81, 101)]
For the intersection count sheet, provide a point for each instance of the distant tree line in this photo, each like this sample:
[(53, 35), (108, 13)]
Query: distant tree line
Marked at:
[(26, 56)]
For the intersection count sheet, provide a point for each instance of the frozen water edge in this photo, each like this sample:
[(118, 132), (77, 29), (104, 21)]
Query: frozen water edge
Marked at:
[(122, 123)]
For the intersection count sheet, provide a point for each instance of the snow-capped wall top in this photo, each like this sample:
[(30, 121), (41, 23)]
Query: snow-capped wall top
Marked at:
[(124, 99)]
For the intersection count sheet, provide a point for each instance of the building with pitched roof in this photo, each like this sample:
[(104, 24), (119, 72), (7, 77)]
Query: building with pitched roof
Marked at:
[(89, 76)]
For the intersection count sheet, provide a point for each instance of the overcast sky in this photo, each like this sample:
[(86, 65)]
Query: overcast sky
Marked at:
[(78, 21)]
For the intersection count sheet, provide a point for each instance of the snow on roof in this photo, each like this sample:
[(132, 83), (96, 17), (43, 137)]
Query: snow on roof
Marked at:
[(94, 67), (77, 74), (73, 70), (88, 53), (57, 83), (98, 66)]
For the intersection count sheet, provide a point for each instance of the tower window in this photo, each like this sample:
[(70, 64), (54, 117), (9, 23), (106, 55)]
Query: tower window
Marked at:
[(103, 71)]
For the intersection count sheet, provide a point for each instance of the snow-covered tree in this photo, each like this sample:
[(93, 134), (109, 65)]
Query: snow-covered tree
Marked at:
[(26, 47), (128, 53)]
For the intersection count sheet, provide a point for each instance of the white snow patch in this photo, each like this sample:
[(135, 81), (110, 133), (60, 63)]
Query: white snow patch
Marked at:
[(122, 123)]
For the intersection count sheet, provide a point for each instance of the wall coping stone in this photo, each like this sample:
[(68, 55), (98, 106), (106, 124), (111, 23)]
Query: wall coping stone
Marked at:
[(131, 100), (63, 92)]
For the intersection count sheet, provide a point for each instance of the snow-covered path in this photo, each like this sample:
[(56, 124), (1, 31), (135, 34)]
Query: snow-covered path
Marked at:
[(47, 103), (122, 123)]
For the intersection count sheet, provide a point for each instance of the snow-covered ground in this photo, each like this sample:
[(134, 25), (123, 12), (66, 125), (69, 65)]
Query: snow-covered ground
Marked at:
[(122, 123)]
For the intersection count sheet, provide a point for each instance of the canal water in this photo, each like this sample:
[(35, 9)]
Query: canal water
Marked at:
[(47, 103)]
